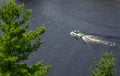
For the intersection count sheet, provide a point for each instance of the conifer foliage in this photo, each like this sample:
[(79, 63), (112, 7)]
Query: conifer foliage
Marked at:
[(105, 66), (16, 43)]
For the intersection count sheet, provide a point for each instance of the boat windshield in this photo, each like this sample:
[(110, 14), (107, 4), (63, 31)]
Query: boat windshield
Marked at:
[(76, 31)]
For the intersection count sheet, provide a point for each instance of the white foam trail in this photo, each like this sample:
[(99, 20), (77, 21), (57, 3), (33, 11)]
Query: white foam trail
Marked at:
[(98, 40)]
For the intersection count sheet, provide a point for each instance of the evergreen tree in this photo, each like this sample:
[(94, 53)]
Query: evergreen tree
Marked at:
[(16, 43), (105, 66)]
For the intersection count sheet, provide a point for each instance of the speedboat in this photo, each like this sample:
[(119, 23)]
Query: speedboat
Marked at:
[(76, 34)]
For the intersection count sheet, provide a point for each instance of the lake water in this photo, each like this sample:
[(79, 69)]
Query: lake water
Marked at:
[(68, 56)]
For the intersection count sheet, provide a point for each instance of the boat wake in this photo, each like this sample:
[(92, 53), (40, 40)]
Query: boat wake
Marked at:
[(101, 40)]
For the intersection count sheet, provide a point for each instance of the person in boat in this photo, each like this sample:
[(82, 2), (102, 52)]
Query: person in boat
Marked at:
[(77, 31)]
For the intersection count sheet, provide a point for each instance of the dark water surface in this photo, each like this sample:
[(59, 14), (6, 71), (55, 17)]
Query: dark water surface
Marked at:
[(68, 56)]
